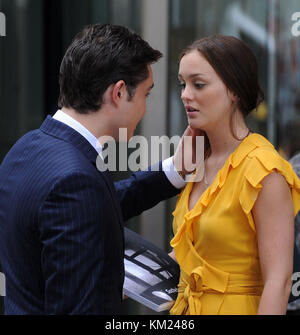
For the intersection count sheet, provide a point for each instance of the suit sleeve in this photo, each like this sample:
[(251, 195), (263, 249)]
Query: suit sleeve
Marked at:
[(75, 259), (144, 190)]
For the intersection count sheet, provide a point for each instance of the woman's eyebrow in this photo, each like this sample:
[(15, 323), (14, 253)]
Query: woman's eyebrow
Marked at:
[(192, 75)]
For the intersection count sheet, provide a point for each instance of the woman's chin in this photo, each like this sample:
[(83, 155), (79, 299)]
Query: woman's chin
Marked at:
[(196, 125)]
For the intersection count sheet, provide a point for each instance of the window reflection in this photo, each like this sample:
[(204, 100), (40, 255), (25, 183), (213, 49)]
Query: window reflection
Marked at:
[(266, 27)]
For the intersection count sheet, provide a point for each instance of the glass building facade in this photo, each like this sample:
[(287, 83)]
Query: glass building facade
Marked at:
[(39, 31)]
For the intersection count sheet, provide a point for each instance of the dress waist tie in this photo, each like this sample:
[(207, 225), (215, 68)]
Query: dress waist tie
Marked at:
[(208, 279)]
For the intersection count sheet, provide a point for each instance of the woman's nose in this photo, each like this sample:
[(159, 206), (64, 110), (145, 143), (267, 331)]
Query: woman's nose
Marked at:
[(186, 94)]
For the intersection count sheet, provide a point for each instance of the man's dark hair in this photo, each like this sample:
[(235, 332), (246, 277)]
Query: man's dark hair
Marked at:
[(101, 55)]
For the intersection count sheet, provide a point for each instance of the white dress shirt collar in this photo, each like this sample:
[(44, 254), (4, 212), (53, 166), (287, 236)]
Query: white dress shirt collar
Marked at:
[(77, 126)]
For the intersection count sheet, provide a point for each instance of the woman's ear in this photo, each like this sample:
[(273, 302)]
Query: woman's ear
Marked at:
[(232, 96)]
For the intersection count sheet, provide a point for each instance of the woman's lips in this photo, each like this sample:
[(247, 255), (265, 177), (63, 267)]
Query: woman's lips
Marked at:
[(191, 112)]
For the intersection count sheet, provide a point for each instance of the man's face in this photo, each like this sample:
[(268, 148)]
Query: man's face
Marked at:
[(134, 110)]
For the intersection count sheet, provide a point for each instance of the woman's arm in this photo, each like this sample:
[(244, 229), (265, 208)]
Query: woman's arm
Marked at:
[(274, 219), (172, 255)]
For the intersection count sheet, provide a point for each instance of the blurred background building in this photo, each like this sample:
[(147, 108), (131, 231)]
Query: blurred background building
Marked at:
[(39, 31)]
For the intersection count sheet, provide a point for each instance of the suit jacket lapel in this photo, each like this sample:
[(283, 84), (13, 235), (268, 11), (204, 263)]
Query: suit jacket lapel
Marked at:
[(60, 130)]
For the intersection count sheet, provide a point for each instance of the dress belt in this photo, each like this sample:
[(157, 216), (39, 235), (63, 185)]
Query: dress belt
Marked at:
[(208, 279)]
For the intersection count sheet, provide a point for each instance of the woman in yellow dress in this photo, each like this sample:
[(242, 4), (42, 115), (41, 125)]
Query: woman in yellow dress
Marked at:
[(233, 229)]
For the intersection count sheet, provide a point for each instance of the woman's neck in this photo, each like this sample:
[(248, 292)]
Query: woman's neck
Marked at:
[(223, 142), (224, 138)]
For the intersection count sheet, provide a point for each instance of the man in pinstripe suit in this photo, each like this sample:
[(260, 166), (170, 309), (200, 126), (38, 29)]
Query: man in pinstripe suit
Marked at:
[(61, 220)]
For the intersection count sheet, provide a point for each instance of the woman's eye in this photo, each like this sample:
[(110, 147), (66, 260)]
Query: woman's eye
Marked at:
[(196, 85), (199, 85)]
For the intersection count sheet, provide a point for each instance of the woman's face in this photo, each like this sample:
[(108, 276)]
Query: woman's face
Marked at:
[(207, 101)]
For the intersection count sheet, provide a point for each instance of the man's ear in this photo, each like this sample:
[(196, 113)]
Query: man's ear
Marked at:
[(118, 92)]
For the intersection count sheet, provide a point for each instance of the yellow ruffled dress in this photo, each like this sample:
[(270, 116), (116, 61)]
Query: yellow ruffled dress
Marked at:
[(215, 243)]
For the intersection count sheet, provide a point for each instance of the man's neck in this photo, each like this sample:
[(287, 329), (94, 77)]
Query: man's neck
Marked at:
[(92, 121)]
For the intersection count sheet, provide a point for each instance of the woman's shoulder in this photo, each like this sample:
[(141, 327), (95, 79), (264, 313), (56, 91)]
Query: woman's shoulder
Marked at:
[(262, 158), (260, 144), (261, 151), (262, 161), (254, 156)]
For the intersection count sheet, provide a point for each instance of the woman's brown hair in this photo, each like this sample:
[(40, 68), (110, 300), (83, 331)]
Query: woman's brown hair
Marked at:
[(236, 65)]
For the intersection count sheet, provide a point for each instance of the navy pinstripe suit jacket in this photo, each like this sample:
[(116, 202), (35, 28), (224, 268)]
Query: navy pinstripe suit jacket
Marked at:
[(61, 224)]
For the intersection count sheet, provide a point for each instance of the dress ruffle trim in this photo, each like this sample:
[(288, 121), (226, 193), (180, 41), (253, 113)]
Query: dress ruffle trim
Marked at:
[(266, 161), (263, 162)]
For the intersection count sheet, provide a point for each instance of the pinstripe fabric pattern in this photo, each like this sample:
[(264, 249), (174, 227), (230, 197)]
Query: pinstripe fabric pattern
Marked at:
[(61, 224)]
